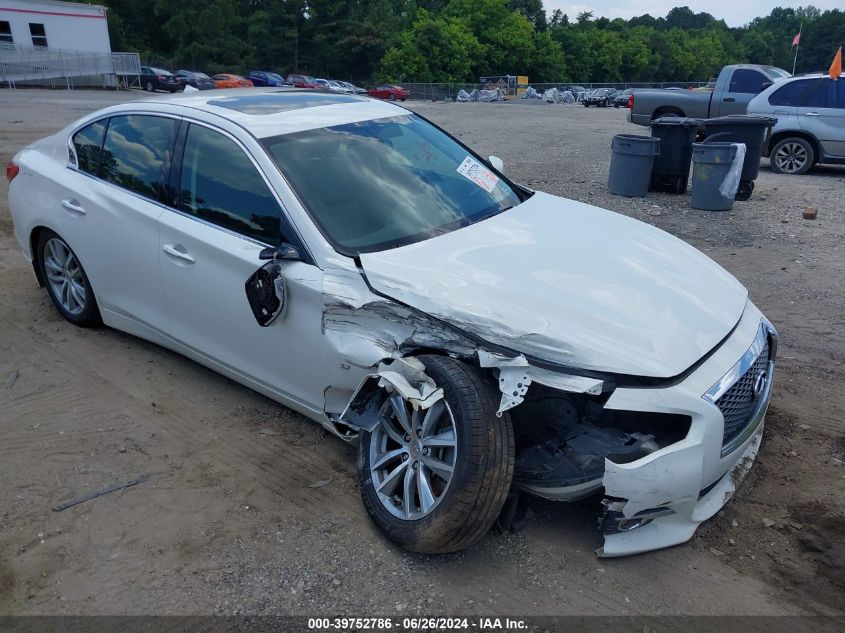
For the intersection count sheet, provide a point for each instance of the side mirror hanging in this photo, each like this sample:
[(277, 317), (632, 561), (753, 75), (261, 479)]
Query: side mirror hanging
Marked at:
[(282, 251)]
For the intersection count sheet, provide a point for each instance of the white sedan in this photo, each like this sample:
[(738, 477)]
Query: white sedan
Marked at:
[(356, 263)]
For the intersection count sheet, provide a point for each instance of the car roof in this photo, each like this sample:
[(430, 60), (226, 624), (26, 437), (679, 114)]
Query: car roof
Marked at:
[(276, 111), (819, 74)]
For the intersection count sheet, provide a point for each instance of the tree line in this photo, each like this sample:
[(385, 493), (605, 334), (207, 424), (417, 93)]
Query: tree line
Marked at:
[(460, 40)]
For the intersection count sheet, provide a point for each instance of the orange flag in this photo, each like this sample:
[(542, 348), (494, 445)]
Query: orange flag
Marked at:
[(836, 66)]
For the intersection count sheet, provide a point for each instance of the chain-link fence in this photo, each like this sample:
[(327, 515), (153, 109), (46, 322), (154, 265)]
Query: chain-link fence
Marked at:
[(64, 68)]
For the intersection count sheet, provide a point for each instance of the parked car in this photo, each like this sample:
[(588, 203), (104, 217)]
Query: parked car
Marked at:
[(389, 91), (618, 359), (200, 81), (302, 81), (266, 78), (600, 97), (355, 89), (153, 79), (623, 98), (735, 86), (337, 86), (810, 128), (226, 80)]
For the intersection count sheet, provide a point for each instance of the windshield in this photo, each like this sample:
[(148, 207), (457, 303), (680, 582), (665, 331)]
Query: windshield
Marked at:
[(387, 182), (776, 73)]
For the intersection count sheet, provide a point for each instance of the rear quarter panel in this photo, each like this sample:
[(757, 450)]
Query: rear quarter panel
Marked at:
[(34, 197), (649, 101)]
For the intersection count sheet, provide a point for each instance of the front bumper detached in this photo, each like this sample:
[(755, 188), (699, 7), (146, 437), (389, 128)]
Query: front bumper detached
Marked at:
[(659, 500)]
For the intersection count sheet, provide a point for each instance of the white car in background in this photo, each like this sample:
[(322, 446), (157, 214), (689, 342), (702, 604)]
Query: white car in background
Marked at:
[(810, 129), (356, 263)]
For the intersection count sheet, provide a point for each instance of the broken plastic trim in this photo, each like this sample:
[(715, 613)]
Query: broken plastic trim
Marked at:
[(266, 292), (405, 376), (516, 375)]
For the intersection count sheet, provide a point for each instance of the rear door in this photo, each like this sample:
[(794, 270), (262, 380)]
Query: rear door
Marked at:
[(744, 85), (823, 115), (224, 215), (112, 201), (784, 104)]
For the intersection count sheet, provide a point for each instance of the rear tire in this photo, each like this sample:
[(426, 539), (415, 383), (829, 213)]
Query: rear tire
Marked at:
[(66, 281), (792, 155), (464, 507)]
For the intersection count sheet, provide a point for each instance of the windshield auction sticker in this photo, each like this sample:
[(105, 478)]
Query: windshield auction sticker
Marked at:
[(478, 173)]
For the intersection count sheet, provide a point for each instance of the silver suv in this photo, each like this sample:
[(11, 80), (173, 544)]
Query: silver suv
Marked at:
[(810, 110)]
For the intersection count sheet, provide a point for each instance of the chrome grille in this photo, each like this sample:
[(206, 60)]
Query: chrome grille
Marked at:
[(738, 403)]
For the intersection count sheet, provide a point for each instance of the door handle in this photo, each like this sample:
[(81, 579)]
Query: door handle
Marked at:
[(171, 250), (73, 206), (729, 99), (812, 113)]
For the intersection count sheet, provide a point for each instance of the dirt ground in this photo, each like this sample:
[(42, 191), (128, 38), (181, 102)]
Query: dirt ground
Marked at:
[(252, 509)]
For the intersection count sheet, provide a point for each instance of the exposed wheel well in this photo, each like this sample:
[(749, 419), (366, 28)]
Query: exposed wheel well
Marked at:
[(33, 243), (776, 138)]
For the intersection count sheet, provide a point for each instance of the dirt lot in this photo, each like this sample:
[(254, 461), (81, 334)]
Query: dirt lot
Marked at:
[(236, 520)]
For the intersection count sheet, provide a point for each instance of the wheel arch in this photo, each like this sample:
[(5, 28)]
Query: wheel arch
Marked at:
[(667, 110), (780, 136), (369, 395), (34, 235)]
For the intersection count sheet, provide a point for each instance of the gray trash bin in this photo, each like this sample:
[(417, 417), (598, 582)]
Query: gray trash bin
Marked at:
[(711, 162), (631, 163)]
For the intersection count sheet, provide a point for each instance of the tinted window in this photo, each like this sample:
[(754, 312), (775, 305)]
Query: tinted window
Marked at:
[(87, 143), (136, 154), (792, 94), (6, 32), (748, 81), (827, 94), (383, 183), (220, 184), (39, 35)]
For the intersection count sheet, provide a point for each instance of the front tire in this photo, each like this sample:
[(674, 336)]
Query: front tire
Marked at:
[(66, 281), (149, 86), (793, 155), (434, 481)]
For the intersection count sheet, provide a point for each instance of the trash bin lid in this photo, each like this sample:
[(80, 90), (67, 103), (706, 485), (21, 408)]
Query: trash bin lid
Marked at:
[(683, 121)]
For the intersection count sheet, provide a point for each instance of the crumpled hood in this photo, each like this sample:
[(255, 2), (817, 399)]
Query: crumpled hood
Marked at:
[(572, 284)]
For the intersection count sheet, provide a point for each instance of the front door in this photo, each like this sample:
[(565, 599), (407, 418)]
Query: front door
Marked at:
[(209, 248), (745, 84)]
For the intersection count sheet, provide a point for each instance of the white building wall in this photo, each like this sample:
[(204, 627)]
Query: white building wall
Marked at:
[(68, 25)]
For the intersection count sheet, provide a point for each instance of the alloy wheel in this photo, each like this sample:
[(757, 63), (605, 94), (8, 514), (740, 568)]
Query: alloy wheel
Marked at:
[(412, 456), (64, 275), (791, 157)]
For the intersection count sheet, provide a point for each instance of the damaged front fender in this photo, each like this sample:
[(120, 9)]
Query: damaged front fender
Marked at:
[(405, 376)]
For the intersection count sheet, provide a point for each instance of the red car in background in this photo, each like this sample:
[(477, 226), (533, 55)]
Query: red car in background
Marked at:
[(231, 81), (389, 91), (302, 81)]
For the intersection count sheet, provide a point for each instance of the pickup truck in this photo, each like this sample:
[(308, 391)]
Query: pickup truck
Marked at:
[(735, 86)]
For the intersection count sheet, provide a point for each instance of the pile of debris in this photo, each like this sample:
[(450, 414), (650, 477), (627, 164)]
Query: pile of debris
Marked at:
[(481, 95), (552, 95)]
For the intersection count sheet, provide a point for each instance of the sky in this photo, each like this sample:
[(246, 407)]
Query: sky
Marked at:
[(734, 12)]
